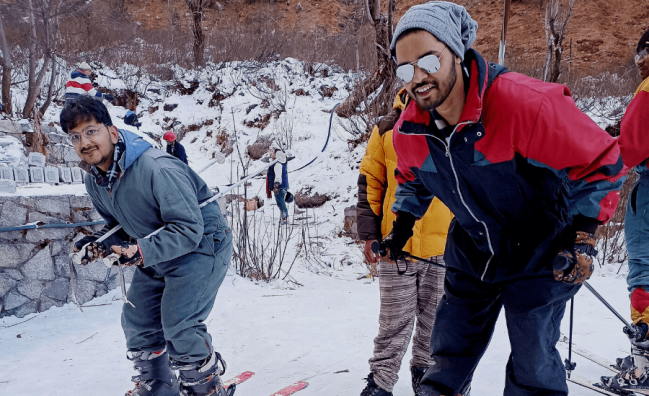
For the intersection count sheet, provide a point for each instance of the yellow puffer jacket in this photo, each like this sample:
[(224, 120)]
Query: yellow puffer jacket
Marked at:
[(376, 188)]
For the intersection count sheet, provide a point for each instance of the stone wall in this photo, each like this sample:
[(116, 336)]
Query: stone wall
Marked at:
[(34, 274)]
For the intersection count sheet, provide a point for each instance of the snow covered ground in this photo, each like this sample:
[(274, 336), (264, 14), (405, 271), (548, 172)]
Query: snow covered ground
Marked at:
[(321, 332), (313, 333)]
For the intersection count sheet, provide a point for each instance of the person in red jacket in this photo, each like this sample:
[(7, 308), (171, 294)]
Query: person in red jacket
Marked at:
[(634, 145), (527, 175)]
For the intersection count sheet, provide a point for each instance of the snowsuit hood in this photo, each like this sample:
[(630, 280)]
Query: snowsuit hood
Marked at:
[(135, 147)]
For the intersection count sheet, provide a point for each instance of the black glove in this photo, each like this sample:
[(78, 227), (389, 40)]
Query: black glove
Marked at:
[(137, 125), (574, 263), (83, 241), (636, 332), (392, 245), (276, 188), (109, 97), (129, 252)]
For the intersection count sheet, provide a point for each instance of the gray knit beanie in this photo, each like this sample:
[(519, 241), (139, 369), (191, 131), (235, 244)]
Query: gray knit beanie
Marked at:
[(449, 23)]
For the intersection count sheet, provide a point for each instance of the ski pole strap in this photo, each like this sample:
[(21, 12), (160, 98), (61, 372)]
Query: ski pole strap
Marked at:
[(122, 284), (74, 285)]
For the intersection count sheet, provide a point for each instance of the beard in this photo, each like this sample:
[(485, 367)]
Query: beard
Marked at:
[(102, 159), (441, 91)]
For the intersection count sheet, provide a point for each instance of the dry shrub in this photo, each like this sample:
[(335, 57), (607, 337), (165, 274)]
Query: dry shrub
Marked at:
[(269, 82), (328, 92), (299, 92), (181, 89), (217, 98), (258, 148), (261, 122), (305, 198)]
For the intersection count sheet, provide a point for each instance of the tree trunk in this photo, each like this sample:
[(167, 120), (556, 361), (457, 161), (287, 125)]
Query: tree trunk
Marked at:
[(6, 71), (196, 8), (50, 88)]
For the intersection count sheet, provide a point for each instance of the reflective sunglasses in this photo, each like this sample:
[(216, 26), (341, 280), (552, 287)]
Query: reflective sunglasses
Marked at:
[(641, 55), (88, 133), (429, 64)]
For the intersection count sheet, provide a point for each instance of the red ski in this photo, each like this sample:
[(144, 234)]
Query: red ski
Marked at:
[(238, 379), (289, 390)]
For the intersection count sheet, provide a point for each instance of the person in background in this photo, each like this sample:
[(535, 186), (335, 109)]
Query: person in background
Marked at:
[(80, 84), (131, 118), (414, 294), (277, 177), (175, 148), (634, 145)]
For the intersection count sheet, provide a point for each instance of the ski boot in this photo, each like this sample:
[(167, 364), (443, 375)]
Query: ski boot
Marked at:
[(372, 389), (634, 374), (156, 376), (203, 378), (623, 363)]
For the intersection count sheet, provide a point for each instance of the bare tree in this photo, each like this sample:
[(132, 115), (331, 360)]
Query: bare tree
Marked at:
[(6, 70), (196, 8), (556, 21), (385, 71)]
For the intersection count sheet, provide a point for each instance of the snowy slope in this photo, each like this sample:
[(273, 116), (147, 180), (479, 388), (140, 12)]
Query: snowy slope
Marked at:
[(282, 332)]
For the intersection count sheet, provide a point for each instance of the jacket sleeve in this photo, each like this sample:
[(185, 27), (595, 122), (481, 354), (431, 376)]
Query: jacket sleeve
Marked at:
[(372, 184), (278, 173), (181, 215), (118, 237), (411, 195), (634, 130), (587, 158), (182, 154)]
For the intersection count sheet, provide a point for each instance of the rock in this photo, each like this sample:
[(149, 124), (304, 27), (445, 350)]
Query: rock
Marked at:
[(36, 175), (12, 215), (61, 265), (41, 234), (95, 271), (350, 225), (65, 175), (36, 159), (305, 198), (101, 290), (7, 173), (13, 255), (85, 291), (77, 175), (14, 300), (80, 202), (58, 247), (51, 175), (41, 218), (58, 290), (9, 126), (26, 309), (21, 175), (13, 274), (170, 106), (47, 303), (31, 289), (7, 186), (6, 284), (40, 266), (57, 206)]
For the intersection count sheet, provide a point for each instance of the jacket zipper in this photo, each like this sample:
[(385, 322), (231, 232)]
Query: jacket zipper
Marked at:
[(457, 183)]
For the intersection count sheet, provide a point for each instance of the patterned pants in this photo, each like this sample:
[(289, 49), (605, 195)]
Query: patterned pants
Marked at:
[(404, 298)]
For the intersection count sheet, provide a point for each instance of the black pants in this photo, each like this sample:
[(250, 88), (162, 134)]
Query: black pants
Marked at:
[(466, 317)]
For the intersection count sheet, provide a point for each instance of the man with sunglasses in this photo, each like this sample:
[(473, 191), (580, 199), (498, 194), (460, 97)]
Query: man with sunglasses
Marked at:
[(528, 178), (178, 270), (634, 145)]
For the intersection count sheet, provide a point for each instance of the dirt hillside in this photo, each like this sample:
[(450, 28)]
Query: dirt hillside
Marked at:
[(604, 33)]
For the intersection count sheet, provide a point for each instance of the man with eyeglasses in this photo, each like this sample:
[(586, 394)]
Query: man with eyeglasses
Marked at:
[(634, 145), (178, 271), (528, 178)]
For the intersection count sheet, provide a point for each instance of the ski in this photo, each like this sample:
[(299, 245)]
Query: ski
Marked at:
[(236, 380), (289, 390), (581, 381), (589, 356)]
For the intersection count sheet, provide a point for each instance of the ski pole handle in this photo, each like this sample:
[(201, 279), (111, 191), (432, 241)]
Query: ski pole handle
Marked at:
[(376, 249)]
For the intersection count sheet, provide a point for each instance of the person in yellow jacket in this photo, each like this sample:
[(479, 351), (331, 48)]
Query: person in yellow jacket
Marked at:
[(416, 293)]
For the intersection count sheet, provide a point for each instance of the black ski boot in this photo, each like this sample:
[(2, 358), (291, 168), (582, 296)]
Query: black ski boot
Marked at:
[(156, 376), (372, 389), (623, 363), (416, 374), (204, 378)]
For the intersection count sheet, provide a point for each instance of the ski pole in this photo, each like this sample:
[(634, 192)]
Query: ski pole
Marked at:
[(376, 249), (600, 298), (219, 158)]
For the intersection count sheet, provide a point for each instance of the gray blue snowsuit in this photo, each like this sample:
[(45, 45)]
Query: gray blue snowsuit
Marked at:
[(184, 264)]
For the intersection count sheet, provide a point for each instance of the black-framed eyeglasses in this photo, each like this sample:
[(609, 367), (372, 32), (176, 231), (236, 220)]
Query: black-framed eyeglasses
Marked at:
[(640, 55), (89, 133), (428, 63)]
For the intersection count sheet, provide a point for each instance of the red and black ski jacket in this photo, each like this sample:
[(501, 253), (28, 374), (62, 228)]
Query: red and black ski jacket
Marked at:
[(522, 162)]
